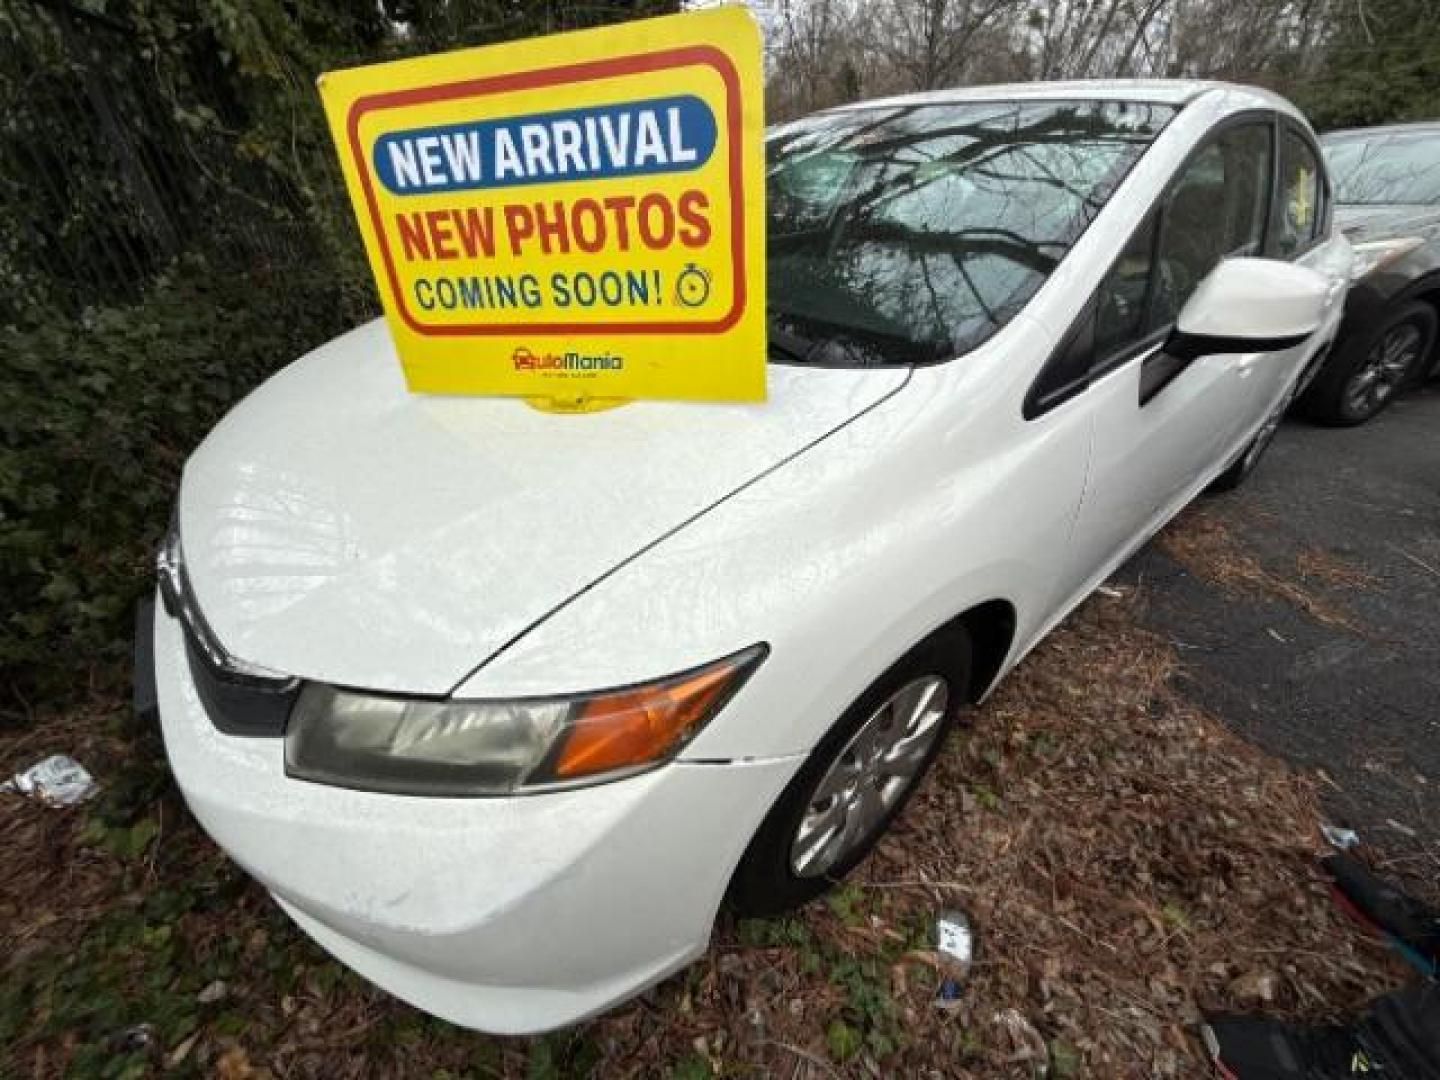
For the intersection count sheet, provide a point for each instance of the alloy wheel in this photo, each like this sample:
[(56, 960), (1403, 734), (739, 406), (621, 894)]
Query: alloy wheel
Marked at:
[(1387, 364), (873, 772)]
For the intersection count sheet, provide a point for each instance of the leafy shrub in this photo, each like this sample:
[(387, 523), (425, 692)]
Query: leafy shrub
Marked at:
[(96, 419)]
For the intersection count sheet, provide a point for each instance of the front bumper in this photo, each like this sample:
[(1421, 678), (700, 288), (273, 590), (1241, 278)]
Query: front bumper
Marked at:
[(510, 915)]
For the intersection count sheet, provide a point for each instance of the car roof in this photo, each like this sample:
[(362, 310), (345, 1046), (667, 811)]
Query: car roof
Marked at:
[(1417, 127), (1156, 91)]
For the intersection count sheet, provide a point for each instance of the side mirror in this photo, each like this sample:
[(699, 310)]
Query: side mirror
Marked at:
[(1251, 305)]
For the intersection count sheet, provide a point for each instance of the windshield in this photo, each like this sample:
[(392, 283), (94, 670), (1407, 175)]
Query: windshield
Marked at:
[(1397, 167), (911, 234)]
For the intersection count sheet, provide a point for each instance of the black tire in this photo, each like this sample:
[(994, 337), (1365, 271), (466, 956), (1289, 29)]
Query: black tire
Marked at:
[(764, 883), (1337, 397), (1241, 468)]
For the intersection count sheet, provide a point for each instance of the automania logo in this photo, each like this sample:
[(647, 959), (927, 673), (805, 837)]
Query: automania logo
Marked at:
[(525, 359)]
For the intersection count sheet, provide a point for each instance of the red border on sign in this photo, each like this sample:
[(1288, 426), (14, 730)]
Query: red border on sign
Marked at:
[(639, 63)]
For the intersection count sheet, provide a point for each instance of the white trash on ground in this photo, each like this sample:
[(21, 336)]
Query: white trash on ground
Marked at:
[(955, 942), (1341, 839), (56, 781)]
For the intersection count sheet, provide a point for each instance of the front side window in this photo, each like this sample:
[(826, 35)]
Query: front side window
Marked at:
[(1215, 209), (1298, 218), (1398, 168), (912, 234)]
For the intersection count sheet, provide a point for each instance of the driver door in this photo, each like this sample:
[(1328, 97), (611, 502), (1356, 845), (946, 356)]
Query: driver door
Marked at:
[(1160, 423)]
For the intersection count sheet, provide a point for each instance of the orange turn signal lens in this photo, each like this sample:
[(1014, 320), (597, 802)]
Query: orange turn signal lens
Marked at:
[(630, 728)]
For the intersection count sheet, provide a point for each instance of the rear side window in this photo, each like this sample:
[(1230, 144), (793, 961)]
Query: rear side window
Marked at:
[(1298, 218)]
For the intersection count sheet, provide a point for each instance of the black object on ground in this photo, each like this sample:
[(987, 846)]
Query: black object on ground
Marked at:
[(144, 696), (1412, 927), (1398, 1038)]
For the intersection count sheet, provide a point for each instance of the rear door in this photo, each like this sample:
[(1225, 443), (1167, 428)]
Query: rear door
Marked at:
[(1302, 231)]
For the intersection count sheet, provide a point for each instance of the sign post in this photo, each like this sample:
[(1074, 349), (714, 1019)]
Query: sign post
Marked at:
[(576, 218)]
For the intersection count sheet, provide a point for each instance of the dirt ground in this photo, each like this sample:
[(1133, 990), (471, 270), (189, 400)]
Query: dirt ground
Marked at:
[(1128, 862)]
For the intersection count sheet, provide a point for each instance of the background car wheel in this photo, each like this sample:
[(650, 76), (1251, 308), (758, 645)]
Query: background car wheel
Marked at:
[(856, 780), (1365, 376)]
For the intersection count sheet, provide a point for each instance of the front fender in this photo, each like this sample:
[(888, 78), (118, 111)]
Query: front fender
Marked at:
[(841, 561)]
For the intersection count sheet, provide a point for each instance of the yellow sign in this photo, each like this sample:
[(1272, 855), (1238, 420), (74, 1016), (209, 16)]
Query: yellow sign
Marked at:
[(572, 217)]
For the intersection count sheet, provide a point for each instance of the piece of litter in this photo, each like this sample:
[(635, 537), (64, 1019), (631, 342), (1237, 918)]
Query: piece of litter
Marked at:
[(1112, 592), (1341, 839), (216, 991), (1402, 829), (182, 1051), (56, 781), (1276, 635), (955, 942), (128, 1040), (949, 993)]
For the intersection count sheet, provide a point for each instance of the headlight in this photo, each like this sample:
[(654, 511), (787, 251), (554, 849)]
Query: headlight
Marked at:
[(416, 746), (1372, 255)]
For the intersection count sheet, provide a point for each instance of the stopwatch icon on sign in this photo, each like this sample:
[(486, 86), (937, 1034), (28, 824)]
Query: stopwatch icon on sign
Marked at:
[(692, 286)]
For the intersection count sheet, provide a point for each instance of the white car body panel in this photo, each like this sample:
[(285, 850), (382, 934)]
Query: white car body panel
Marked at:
[(338, 529), (844, 578), (465, 907), (869, 573), (317, 547)]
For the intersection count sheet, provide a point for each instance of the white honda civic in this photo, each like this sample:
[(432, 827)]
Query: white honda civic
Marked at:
[(502, 704)]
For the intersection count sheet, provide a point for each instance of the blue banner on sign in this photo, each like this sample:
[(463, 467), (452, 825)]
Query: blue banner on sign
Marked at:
[(659, 135)]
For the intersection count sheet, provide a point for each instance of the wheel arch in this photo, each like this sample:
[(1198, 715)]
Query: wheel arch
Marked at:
[(1427, 292), (761, 882), (991, 629)]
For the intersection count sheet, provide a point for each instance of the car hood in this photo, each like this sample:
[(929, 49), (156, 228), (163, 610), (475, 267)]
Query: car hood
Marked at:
[(339, 528), (1363, 222)]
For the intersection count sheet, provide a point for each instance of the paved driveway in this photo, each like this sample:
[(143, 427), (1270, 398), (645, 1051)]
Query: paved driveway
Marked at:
[(1306, 606)]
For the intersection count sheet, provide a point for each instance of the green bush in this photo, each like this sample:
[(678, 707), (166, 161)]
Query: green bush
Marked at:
[(96, 418)]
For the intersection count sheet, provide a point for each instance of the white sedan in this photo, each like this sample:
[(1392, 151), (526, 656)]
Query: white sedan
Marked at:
[(501, 704)]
